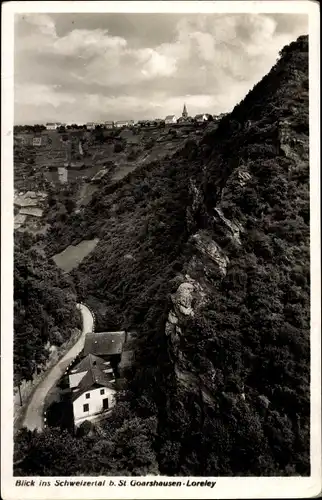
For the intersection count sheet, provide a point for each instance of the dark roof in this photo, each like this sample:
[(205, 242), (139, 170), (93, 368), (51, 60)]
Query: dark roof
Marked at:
[(105, 343), (94, 377), (86, 364)]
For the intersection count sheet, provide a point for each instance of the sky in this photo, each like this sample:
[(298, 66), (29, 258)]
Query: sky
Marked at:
[(76, 68)]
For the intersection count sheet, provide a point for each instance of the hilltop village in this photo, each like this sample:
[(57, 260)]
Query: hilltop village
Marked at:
[(47, 156)]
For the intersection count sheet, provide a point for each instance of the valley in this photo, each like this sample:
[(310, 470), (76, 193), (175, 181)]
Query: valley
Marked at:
[(191, 245)]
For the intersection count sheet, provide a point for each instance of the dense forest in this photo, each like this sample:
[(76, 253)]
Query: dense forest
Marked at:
[(206, 255), (44, 307)]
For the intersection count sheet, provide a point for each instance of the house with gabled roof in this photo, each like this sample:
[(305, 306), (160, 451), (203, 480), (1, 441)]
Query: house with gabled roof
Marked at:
[(92, 388), (105, 344), (170, 119), (201, 118)]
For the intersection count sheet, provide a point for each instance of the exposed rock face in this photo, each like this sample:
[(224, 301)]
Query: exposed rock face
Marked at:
[(188, 298), (209, 248), (196, 203), (233, 226)]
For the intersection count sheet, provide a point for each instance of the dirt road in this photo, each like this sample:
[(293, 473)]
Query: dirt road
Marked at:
[(34, 412)]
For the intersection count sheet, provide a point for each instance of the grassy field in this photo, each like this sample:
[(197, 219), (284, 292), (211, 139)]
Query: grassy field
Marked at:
[(72, 256)]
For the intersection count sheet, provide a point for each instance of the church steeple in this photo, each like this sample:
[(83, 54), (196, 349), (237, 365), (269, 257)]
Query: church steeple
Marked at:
[(184, 112)]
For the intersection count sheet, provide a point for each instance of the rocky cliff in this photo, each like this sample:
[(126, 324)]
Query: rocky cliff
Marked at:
[(238, 326)]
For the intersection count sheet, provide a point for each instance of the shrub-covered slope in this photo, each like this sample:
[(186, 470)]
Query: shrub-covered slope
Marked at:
[(244, 343), (206, 255), (44, 308)]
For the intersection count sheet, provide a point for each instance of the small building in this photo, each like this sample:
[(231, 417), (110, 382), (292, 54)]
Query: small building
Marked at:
[(52, 126), (109, 124), (92, 386), (201, 118), (182, 120), (86, 364), (121, 123), (37, 141), (91, 125), (170, 119)]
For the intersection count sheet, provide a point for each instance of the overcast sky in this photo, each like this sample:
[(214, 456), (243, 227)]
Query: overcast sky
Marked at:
[(93, 67)]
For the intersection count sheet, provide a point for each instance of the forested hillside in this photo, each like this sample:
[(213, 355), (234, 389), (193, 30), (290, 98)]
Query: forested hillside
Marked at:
[(206, 255), (44, 307)]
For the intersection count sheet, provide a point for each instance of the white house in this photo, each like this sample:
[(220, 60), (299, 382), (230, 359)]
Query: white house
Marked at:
[(36, 141), (201, 118), (109, 124), (122, 123), (170, 119), (91, 125), (92, 385), (52, 126)]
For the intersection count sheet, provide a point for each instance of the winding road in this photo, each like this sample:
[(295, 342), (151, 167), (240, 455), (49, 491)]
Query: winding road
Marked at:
[(34, 412)]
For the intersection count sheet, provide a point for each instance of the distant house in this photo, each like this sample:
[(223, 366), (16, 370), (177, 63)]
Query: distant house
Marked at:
[(122, 123), (52, 126), (170, 119), (37, 141), (92, 386), (109, 124), (201, 118), (181, 119), (91, 125), (219, 117), (105, 344)]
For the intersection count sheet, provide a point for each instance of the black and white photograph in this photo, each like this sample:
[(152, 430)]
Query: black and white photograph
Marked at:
[(162, 235)]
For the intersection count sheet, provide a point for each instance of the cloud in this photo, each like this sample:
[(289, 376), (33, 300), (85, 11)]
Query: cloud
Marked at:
[(73, 66), (39, 94)]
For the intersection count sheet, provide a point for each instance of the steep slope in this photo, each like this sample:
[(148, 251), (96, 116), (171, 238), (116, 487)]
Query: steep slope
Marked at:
[(44, 308), (206, 255), (239, 327)]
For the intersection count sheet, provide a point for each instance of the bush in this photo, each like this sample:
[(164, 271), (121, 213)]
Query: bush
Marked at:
[(119, 147)]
